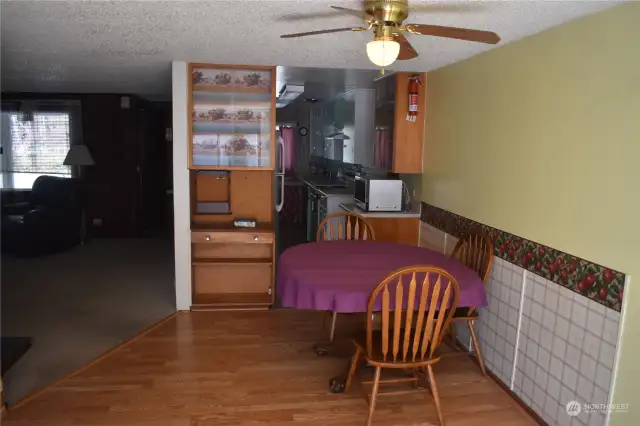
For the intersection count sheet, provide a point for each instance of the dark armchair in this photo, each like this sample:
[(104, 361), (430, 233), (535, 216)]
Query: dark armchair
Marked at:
[(50, 222)]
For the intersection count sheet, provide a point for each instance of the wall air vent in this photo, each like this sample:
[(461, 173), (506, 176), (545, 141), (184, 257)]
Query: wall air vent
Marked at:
[(288, 93)]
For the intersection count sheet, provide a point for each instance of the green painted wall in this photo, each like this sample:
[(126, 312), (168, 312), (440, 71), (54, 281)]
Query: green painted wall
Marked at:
[(541, 138)]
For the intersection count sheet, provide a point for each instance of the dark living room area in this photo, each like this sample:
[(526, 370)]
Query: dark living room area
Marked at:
[(87, 236)]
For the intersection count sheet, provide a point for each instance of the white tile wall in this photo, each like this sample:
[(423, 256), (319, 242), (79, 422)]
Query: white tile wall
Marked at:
[(497, 325), (431, 237), (572, 348), (449, 243), (550, 345), (462, 334)]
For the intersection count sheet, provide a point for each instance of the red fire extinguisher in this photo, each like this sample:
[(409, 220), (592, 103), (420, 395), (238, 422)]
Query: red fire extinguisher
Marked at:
[(414, 85)]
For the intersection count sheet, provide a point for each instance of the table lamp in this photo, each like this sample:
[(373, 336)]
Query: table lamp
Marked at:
[(78, 156)]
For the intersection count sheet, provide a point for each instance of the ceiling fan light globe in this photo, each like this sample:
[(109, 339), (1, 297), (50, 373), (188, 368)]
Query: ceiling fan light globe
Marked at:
[(383, 52)]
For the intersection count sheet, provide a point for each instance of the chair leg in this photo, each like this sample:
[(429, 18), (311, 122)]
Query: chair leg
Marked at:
[(352, 369), (374, 394), (435, 394), (333, 326), (476, 346)]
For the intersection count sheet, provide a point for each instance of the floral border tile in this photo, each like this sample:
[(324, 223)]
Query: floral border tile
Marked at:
[(601, 284)]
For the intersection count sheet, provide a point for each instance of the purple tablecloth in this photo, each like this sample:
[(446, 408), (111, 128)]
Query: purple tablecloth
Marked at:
[(340, 275)]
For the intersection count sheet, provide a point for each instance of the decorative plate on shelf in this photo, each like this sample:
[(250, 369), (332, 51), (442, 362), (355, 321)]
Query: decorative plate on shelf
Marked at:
[(230, 114), (231, 80), (231, 149)]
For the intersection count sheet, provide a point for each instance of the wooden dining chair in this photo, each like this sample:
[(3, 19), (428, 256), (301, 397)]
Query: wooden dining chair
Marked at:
[(342, 226), (476, 252), (416, 305)]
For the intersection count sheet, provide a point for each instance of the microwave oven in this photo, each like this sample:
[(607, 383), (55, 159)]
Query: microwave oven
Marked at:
[(378, 195)]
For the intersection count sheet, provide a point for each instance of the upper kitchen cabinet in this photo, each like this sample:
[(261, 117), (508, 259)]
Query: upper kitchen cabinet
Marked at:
[(233, 117), (399, 132)]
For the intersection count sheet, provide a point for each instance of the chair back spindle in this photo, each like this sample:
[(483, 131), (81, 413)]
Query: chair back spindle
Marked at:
[(416, 306), (476, 252), (344, 226)]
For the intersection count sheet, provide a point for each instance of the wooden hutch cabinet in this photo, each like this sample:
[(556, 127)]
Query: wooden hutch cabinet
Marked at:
[(232, 161)]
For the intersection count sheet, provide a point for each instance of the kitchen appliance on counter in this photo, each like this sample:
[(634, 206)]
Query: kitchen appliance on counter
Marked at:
[(378, 195)]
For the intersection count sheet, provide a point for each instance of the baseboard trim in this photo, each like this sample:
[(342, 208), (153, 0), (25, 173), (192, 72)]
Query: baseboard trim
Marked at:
[(504, 387), (104, 355)]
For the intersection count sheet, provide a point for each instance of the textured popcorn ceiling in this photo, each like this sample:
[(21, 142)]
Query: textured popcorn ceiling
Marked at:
[(127, 46)]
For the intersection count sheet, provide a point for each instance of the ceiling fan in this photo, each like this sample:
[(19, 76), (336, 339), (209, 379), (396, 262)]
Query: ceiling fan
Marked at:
[(385, 18)]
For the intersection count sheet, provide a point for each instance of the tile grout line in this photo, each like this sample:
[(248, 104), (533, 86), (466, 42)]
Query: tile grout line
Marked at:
[(518, 327)]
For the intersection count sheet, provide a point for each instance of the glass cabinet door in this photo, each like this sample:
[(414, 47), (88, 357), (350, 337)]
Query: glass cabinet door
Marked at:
[(232, 118)]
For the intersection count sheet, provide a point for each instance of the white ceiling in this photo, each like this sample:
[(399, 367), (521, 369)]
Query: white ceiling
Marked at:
[(127, 46)]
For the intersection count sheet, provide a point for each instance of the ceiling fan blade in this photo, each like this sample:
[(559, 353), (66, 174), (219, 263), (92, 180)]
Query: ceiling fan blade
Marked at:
[(334, 30), (357, 13), (455, 32), (336, 12), (308, 16), (406, 49), (465, 6)]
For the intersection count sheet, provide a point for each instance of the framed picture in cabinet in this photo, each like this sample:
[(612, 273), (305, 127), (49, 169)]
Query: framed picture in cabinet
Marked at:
[(232, 112)]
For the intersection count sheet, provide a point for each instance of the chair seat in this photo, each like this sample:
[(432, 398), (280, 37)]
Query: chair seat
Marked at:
[(463, 314), (360, 340)]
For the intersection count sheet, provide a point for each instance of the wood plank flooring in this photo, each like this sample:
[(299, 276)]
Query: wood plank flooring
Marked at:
[(248, 368)]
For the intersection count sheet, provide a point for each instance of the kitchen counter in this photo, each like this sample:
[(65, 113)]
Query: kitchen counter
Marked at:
[(321, 181), (335, 191), (351, 207), (326, 186)]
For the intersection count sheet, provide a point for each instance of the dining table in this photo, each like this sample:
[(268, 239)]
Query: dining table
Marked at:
[(339, 276)]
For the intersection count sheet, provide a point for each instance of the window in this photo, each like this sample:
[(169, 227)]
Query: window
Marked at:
[(34, 144)]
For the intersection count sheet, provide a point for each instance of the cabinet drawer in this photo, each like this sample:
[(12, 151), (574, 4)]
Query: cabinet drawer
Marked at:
[(236, 278), (231, 237)]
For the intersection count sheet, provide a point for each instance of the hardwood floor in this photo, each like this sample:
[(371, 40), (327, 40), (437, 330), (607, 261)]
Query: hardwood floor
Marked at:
[(248, 368)]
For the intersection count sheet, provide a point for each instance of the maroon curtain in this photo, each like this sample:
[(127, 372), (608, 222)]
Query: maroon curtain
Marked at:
[(289, 153), (383, 149)]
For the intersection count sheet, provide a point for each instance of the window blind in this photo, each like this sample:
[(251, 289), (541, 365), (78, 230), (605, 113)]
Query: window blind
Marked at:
[(39, 143)]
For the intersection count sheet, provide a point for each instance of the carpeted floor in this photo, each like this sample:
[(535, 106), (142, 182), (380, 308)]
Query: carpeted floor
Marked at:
[(78, 304)]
